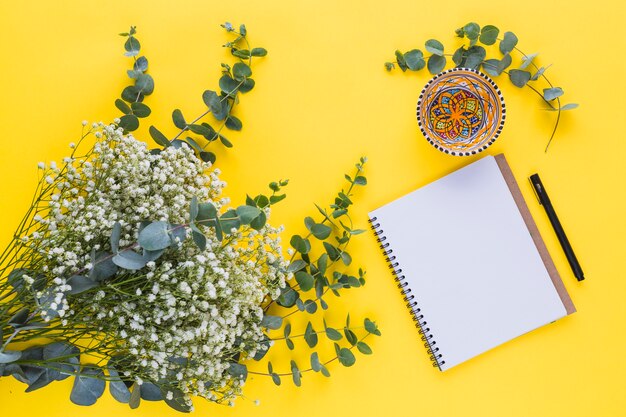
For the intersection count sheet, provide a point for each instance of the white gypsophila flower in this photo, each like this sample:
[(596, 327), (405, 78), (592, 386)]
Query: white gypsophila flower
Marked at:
[(188, 305)]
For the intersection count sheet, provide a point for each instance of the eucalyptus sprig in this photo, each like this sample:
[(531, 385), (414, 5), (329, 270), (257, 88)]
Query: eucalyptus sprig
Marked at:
[(131, 104), (235, 79), (320, 271), (474, 56)]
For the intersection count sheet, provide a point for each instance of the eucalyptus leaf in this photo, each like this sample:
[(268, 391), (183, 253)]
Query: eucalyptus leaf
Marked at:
[(475, 57), (315, 362), (288, 297), (414, 60), (103, 267), (310, 336), (141, 64), (434, 47), (135, 396), (371, 327), (248, 213), (508, 43), (129, 259), (122, 106), (19, 318), (238, 370), (241, 70), (436, 64), (305, 280), (80, 283), (490, 66), (301, 245), (552, 93), (159, 137), (320, 231), (272, 322), (401, 61), (346, 357), (233, 123), (519, 78), (228, 84), (296, 265), (131, 94), (471, 30), (88, 386), (117, 387), (155, 236), (115, 236), (145, 84), (8, 356), (129, 122), (364, 348), (258, 52), (150, 392), (527, 60), (295, 373), (140, 109), (489, 34), (333, 334), (178, 119)]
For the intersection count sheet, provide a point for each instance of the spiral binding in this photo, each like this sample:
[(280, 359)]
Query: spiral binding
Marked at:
[(411, 303)]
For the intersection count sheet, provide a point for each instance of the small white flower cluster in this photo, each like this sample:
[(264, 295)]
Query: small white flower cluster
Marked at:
[(184, 316)]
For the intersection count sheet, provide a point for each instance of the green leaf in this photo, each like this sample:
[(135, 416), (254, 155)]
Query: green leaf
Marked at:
[(135, 396), (258, 52), (276, 378), (248, 213), (140, 109), (132, 46), (315, 362), (434, 47), (333, 334), (569, 106), (527, 60), (471, 30), (233, 123), (228, 85), (295, 373), (88, 386), (310, 306), (296, 265), (401, 61), (360, 180), (332, 252), (129, 122), (117, 387), (475, 56), (241, 53), (179, 401), (490, 66), (320, 231), (241, 70), (178, 119), (346, 258), (141, 64), (346, 357), (508, 43), (19, 318), (122, 106), (552, 93), (155, 236), (276, 198), (8, 356), (248, 84), (259, 221), (519, 78), (364, 348), (206, 211), (150, 392), (322, 263), (288, 297), (199, 238), (225, 141), (230, 220), (145, 84), (208, 157), (389, 66), (272, 322), (203, 129), (301, 245), (459, 56), (371, 327), (80, 284), (436, 64), (129, 259), (305, 280), (131, 94), (489, 35), (539, 73), (310, 336), (504, 63), (238, 370), (414, 60), (159, 137), (325, 371), (214, 103), (350, 336)]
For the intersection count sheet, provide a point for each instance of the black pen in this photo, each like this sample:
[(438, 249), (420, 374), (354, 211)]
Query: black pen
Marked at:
[(544, 200)]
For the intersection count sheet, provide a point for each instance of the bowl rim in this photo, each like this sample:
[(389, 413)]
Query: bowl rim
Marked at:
[(485, 145)]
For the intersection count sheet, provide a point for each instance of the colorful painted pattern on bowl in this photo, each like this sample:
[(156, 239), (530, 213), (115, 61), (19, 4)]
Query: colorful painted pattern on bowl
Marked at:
[(461, 111)]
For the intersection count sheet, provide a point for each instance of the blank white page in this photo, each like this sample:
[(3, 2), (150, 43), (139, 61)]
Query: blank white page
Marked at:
[(470, 261)]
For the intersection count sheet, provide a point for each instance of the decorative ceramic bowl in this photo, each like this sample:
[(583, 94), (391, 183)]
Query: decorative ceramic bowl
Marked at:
[(461, 111)]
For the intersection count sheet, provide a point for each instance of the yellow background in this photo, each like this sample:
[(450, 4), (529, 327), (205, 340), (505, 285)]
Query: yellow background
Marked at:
[(322, 100)]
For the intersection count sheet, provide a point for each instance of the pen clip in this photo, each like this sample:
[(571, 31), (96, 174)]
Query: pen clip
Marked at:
[(532, 185)]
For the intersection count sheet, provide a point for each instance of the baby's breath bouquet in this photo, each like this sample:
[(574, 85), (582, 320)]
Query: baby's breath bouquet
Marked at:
[(130, 266)]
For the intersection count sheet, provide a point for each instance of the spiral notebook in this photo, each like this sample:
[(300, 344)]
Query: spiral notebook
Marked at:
[(469, 261)]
